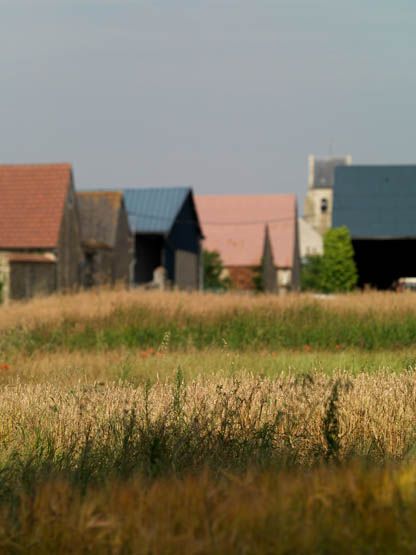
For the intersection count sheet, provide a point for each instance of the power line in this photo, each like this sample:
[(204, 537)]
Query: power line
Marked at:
[(238, 223)]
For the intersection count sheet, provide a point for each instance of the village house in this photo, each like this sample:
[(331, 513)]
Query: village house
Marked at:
[(167, 237), (319, 198), (378, 205), (106, 238), (40, 248), (256, 236)]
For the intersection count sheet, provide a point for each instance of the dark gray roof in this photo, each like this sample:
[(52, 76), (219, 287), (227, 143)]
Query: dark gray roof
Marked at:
[(99, 214), (154, 210), (324, 170), (376, 201)]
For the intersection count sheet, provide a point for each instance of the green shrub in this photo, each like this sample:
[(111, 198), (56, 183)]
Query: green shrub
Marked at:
[(213, 270), (311, 273), (339, 273)]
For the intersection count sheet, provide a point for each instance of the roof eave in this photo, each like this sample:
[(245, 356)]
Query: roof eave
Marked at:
[(383, 238)]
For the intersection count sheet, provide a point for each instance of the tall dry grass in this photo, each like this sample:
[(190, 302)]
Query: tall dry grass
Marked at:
[(114, 319), (328, 510), (90, 432), (100, 303), (66, 369), (305, 463)]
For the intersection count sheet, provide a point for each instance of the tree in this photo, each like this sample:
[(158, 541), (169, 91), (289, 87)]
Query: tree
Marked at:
[(311, 273), (257, 279), (339, 272), (213, 271)]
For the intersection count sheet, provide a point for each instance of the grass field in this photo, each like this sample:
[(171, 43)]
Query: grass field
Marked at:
[(114, 319), (184, 423)]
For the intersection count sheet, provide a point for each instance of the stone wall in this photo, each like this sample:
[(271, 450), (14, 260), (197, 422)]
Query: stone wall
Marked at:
[(186, 270), (30, 279), (4, 278)]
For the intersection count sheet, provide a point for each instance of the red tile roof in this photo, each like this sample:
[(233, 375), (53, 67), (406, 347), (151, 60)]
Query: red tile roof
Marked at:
[(235, 226), (32, 199)]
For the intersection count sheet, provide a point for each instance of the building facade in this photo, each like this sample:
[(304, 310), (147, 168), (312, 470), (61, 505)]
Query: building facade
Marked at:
[(310, 240)]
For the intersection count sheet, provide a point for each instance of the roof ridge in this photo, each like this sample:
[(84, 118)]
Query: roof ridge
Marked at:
[(117, 193), (161, 188), (241, 195), (37, 165)]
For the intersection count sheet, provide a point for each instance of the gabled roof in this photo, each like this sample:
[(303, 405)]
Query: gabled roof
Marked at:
[(99, 215), (235, 226), (32, 199), (154, 210), (376, 202)]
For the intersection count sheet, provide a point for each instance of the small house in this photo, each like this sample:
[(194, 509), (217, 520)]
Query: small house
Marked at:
[(106, 238), (167, 236), (40, 247), (255, 235)]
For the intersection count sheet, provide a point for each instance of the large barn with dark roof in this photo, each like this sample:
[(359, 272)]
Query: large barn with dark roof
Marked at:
[(378, 205)]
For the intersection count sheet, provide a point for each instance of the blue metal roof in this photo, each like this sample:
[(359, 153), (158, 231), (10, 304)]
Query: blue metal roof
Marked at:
[(376, 201), (154, 210)]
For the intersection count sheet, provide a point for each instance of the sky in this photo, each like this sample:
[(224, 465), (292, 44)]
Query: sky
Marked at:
[(225, 96)]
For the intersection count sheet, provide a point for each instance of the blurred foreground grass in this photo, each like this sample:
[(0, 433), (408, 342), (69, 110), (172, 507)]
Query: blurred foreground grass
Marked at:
[(328, 510)]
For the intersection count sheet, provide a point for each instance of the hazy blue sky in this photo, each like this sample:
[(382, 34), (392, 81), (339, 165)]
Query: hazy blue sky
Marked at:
[(226, 96)]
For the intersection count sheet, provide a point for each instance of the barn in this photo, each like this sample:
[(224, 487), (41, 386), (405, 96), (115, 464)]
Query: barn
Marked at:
[(378, 205), (253, 234), (106, 238), (40, 245), (167, 234)]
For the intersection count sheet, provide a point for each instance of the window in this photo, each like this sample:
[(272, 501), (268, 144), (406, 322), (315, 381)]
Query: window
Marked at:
[(324, 205)]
